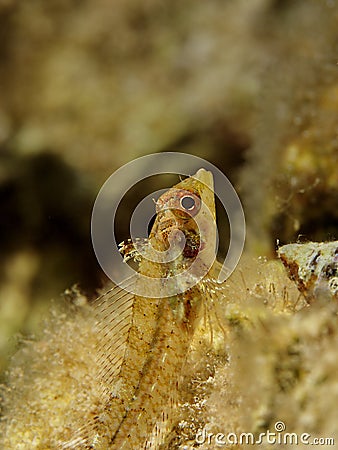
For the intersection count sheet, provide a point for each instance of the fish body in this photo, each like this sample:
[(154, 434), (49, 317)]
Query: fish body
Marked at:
[(144, 340)]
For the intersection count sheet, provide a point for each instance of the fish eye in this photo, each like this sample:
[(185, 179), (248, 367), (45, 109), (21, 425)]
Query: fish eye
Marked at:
[(188, 203)]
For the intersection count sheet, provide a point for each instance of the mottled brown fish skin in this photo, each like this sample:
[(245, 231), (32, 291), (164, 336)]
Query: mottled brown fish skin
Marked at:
[(154, 384)]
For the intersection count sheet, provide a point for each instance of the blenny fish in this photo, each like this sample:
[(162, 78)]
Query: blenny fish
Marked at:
[(144, 340)]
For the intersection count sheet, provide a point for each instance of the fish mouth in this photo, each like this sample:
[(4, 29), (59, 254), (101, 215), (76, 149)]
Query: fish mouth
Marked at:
[(205, 177)]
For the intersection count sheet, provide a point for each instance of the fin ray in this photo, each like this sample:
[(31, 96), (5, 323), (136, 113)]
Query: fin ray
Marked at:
[(113, 314)]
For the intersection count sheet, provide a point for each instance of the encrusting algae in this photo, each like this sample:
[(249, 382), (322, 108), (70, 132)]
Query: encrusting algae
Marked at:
[(314, 267), (133, 372)]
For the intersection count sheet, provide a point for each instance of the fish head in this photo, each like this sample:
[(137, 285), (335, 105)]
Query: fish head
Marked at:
[(186, 218)]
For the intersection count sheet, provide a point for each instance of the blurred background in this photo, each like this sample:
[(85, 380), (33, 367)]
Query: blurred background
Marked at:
[(86, 86)]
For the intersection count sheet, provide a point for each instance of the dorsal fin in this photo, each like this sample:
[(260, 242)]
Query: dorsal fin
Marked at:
[(113, 313), (113, 316)]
